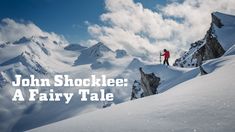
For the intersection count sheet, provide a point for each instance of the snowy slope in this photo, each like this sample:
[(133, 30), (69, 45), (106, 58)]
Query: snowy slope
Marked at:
[(189, 106), (29, 55), (170, 76), (225, 34)]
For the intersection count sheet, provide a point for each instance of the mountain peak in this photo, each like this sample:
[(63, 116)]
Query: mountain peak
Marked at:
[(22, 40), (218, 39), (100, 46), (91, 54)]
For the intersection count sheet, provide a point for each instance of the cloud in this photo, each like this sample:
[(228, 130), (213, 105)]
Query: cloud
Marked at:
[(11, 31), (144, 32)]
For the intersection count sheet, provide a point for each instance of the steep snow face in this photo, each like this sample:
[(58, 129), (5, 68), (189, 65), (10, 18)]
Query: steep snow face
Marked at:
[(226, 33), (219, 38), (230, 51), (189, 106)]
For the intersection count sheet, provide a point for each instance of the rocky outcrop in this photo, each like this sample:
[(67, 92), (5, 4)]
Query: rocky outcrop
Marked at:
[(149, 83), (3, 80), (212, 48), (137, 91), (209, 47)]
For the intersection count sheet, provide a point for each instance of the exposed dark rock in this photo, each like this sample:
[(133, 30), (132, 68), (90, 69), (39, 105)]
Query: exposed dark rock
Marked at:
[(149, 83), (137, 91), (146, 86), (212, 49), (208, 48), (3, 81), (22, 40)]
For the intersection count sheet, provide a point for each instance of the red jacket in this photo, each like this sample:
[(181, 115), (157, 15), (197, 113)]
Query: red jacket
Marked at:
[(166, 55)]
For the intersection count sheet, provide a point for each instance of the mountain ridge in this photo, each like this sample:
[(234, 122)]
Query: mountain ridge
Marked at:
[(211, 46)]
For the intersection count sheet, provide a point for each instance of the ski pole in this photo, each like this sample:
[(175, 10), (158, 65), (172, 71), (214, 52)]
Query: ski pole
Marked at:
[(160, 58)]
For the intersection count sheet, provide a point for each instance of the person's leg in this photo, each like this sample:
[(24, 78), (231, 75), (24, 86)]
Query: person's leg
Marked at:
[(164, 62), (167, 62)]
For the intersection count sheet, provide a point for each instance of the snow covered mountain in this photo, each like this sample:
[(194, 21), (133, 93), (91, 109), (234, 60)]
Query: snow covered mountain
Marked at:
[(189, 106), (45, 56), (90, 55), (218, 39), (41, 56), (184, 103)]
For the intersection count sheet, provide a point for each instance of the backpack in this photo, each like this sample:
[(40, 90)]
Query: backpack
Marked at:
[(169, 54)]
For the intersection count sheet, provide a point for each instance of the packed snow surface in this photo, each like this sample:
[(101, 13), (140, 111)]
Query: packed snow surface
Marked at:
[(204, 103)]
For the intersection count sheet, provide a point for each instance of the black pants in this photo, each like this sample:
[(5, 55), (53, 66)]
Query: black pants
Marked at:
[(166, 61)]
